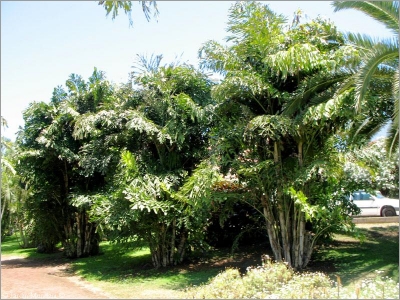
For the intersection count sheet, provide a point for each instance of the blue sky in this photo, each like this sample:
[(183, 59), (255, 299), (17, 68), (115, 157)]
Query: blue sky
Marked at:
[(43, 42)]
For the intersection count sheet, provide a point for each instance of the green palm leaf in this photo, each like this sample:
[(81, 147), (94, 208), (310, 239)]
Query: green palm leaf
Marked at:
[(393, 136), (385, 12), (377, 56), (309, 89)]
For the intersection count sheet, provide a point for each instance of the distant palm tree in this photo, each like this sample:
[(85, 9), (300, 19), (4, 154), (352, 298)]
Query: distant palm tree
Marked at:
[(379, 69), (126, 6)]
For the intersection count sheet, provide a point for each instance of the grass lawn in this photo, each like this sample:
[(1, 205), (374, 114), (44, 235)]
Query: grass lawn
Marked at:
[(353, 260), (10, 247), (127, 273), (130, 274)]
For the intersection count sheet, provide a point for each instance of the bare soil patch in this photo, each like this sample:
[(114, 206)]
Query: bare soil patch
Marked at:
[(50, 278)]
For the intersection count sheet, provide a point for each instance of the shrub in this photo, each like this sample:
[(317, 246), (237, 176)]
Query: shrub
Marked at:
[(306, 286), (258, 282), (278, 281)]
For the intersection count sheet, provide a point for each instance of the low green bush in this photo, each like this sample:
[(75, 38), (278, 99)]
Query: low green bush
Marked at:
[(258, 282), (278, 281)]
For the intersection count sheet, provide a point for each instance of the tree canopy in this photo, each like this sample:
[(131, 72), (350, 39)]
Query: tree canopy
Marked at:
[(153, 161), (279, 92)]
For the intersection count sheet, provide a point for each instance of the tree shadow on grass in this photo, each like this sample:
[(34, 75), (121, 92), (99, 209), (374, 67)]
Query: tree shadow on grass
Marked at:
[(37, 261), (13, 256), (354, 260), (122, 266)]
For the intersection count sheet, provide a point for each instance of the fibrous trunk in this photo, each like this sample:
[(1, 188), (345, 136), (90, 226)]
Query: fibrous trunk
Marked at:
[(163, 248), (289, 240), (81, 238)]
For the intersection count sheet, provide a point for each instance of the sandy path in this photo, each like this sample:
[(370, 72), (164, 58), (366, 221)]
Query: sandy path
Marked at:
[(29, 279)]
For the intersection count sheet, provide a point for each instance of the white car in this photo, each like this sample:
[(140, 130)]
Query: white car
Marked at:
[(375, 204)]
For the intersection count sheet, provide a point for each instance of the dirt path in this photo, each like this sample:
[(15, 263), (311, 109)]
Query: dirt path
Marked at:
[(23, 278)]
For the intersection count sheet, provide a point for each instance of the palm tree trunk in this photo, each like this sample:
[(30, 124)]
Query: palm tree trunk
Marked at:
[(302, 226), (79, 235), (172, 250), (272, 234), (281, 207), (181, 247), (3, 207), (303, 242), (284, 235)]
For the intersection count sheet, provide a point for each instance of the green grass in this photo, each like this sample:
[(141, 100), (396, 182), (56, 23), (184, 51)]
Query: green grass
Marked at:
[(122, 266), (354, 260), (10, 246), (127, 273)]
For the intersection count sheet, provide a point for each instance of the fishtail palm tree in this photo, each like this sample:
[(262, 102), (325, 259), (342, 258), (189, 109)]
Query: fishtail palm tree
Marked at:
[(279, 93)]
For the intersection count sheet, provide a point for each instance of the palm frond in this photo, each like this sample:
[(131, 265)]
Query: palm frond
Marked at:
[(126, 6), (379, 54), (217, 58), (6, 164), (84, 126), (187, 106), (299, 57), (146, 7), (393, 137), (368, 128), (147, 64), (93, 124), (75, 84), (244, 21), (396, 94), (4, 122), (327, 107), (361, 41), (385, 12), (269, 126), (245, 86), (309, 88), (138, 122)]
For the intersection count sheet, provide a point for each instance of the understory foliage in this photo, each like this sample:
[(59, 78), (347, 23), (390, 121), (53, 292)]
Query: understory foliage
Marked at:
[(279, 281), (371, 167)]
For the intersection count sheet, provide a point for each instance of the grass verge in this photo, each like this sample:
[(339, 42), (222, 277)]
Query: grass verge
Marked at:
[(10, 247), (127, 273), (354, 260)]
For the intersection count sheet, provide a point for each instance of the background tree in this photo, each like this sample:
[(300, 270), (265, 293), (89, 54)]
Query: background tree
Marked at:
[(7, 183), (371, 168), (50, 166), (14, 197), (159, 134), (376, 79), (114, 6)]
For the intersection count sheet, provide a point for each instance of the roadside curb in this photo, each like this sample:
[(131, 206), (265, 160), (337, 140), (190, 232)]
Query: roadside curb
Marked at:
[(364, 220)]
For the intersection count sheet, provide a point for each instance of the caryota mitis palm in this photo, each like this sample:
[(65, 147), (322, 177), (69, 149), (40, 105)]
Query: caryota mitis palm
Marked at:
[(278, 111)]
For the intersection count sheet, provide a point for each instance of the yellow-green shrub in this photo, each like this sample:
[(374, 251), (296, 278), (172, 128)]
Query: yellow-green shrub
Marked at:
[(278, 281)]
